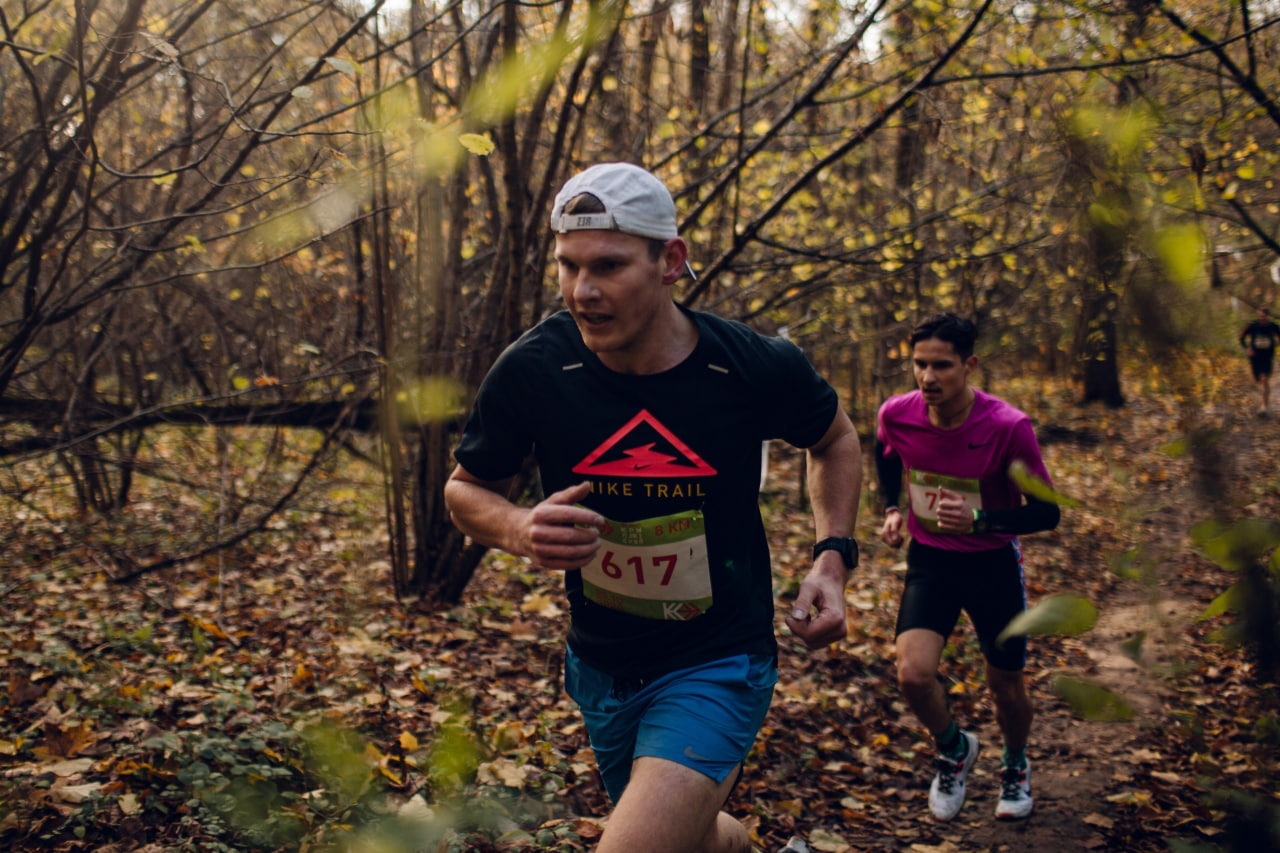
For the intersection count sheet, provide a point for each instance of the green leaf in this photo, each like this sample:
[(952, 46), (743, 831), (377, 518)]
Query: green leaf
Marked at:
[(1132, 647), (516, 78), (1234, 546), (338, 755), (1228, 600), (1032, 485), (1129, 565), (1057, 614), (1181, 252), (1092, 701)]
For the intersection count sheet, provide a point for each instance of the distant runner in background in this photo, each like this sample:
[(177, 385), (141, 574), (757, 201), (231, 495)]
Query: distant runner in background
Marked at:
[(646, 422), (1260, 338), (956, 445)]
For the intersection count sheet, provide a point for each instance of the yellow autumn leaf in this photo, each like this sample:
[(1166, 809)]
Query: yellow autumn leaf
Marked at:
[(505, 772), (1131, 798), (480, 144), (827, 842), (433, 399), (537, 603), (408, 742)]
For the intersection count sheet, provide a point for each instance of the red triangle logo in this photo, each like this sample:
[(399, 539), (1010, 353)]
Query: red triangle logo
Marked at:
[(644, 448)]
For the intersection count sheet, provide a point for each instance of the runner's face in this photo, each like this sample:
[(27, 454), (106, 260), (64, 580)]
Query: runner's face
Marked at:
[(942, 375), (617, 292)]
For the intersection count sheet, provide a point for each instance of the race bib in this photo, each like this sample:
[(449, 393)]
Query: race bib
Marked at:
[(656, 568), (924, 488), (1262, 342)]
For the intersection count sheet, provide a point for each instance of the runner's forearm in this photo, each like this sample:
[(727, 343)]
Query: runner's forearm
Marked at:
[(835, 479), (482, 512)]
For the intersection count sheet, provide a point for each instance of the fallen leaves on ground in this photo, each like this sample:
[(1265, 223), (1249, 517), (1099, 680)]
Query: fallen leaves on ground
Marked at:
[(280, 698)]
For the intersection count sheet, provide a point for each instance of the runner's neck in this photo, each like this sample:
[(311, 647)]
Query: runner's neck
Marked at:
[(951, 420)]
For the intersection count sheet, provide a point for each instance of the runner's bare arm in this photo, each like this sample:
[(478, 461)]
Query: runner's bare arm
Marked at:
[(835, 480), (554, 534)]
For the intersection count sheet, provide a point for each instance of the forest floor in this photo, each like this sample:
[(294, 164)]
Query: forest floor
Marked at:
[(283, 699)]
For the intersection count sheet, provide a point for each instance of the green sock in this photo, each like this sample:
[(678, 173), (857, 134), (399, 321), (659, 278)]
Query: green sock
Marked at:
[(951, 744), (1014, 757)]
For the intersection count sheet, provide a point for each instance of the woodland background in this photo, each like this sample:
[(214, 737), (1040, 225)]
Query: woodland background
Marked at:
[(255, 257)]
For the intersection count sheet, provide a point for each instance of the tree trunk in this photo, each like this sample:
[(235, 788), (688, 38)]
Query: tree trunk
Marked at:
[(1096, 348), (517, 177), (1104, 212)]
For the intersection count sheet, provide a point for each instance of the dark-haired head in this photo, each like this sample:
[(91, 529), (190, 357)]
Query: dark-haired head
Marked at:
[(962, 334)]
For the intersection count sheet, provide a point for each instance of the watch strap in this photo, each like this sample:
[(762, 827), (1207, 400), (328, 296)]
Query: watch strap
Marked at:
[(845, 546)]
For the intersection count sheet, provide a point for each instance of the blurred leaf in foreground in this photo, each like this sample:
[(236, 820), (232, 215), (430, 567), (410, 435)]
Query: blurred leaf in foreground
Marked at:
[(1057, 614), (1092, 701)]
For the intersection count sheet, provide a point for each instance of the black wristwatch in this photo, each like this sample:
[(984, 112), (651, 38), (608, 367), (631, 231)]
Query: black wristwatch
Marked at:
[(845, 545), (981, 524)]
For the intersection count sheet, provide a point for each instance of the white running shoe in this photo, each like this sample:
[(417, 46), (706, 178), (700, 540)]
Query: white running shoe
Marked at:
[(946, 794), (1015, 792)]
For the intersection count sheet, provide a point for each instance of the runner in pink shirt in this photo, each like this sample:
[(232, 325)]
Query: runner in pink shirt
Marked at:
[(956, 446)]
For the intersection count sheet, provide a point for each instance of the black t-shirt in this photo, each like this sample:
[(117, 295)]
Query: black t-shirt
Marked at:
[(687, 439), (1262, 336)]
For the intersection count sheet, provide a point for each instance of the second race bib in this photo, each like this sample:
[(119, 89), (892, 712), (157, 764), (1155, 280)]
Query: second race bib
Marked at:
[(924, 487)]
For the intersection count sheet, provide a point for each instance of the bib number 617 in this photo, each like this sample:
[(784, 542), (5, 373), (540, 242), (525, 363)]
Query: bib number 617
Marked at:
[(665, 564)]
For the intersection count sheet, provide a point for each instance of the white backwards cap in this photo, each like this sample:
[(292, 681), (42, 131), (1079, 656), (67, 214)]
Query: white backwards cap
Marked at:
[(635, 202)]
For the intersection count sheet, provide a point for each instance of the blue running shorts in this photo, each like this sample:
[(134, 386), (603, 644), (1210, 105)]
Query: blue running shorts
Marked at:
[(705, 717)]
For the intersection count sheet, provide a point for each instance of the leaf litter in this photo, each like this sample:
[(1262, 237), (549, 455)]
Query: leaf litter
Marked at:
[(282, 699)]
